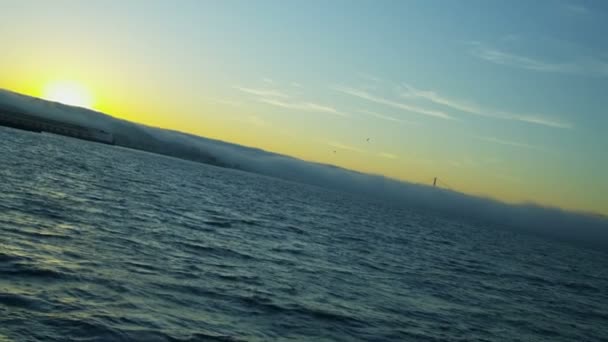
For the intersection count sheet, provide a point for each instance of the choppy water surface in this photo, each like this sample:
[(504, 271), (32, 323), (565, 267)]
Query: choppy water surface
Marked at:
[(100, 243)]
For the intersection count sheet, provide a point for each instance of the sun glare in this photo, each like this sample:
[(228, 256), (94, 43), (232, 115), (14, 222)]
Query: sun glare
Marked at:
[(67, 92)]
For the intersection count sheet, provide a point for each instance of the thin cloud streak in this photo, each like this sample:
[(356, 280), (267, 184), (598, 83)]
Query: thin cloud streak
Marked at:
[(342, 146), (388, 155), (385, 117), (432, 96), (583, 66), (472, 108), (369, 77), (372, 98), (305, 106), (279, 99), (523, 62), (576, 8), (541, 121), (510, 143)]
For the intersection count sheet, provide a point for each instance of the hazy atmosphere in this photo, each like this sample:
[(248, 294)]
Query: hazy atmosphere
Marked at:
[(590, 230), (499, 99), (333, 170)]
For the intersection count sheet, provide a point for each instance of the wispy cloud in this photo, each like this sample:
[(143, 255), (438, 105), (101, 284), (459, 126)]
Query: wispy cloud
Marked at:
[(281, 99), (263, 92), (385, 117), (388, 155), (341, 146), (321, 108), (518, 61), (584, 65), (538, 120), (411, 92), (368, 77), (472, 108), (305, 106), (575, 8), (403, 106), (510, 143)]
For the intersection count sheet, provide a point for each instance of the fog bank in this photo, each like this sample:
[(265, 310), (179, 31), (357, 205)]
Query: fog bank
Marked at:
[(552, 222)]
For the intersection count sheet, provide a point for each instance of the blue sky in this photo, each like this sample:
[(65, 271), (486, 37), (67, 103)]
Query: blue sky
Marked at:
[(505, 99)]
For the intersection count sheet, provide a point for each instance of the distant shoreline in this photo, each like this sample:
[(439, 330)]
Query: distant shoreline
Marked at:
[(32, 123)]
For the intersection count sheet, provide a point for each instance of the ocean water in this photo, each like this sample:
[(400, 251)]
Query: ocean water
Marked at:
[(101, 243)]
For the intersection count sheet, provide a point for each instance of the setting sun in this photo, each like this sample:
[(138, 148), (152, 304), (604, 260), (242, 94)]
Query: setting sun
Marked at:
[(67, 92)]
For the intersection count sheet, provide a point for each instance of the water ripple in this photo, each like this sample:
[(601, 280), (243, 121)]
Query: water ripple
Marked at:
[(108, 244)]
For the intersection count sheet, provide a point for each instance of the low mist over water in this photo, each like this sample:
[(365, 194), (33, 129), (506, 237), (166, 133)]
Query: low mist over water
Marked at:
[(582, 228), (106, 243)]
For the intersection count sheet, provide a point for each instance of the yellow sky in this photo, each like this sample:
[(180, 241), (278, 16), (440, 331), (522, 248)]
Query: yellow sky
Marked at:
[(241, 125)]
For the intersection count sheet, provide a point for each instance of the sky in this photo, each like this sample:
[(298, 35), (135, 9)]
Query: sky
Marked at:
[(495, 98)]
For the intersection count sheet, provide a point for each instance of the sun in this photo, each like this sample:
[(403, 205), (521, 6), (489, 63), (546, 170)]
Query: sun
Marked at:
[(68, 92)]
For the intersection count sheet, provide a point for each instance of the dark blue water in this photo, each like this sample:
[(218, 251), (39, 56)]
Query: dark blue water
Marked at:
[(99, 243)]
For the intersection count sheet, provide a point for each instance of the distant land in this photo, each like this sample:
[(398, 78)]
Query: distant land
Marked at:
[(17, 119), (587, 228)]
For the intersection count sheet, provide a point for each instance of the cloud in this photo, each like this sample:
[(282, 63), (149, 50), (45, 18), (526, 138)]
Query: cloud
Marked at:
[(368, 77), (539, 120), (552, 223), (262, 92), (388, 155), (305, 106), (321, 108), (280, 99), (471, 108), (369, 97), (432, 96), (510, 143), (523, 62), (575, 8), (385, 117), (342, 146), (582, 66)]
